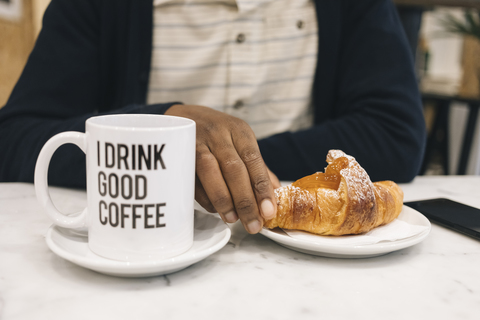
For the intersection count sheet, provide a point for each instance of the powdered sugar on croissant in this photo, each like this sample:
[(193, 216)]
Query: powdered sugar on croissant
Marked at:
[(343, 200)]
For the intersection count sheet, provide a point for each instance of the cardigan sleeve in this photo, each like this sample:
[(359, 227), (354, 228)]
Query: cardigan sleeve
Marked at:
[(57, 91), (376, 114)]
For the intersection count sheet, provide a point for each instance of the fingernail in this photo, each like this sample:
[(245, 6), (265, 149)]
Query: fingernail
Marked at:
[(267, 209), (254, 226), (231, 217)]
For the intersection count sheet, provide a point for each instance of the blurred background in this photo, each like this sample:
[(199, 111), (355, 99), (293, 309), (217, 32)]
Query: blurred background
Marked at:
[(444, 36)]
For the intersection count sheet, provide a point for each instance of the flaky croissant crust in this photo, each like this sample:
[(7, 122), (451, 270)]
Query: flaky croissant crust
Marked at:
[(356, 206)]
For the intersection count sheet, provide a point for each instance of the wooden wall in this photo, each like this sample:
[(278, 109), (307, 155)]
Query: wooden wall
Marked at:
[(16, 42)]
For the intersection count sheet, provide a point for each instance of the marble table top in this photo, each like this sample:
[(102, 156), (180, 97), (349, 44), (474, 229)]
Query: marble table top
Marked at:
[(252, 277)]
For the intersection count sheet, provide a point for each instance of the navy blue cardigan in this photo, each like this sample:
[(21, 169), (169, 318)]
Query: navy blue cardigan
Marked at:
[(93, 57)]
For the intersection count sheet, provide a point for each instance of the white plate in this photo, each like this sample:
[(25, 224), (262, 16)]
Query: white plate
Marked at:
[(210, 235), (408, 215)]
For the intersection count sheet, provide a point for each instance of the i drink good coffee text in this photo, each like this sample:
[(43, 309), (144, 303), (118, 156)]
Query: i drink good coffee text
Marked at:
[(128, 187)]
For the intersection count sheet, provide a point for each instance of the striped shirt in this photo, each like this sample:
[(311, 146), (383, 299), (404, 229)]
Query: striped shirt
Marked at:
[(254, 60)]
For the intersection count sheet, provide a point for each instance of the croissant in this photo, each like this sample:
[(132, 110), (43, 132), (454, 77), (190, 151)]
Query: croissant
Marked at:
[(341, 201)]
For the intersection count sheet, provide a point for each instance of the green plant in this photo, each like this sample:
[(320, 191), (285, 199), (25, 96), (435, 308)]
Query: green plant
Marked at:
[(469, 26)]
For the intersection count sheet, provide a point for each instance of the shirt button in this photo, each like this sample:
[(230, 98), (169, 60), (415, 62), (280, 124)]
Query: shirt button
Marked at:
[(241, 38), (238, 104), (300, 24)]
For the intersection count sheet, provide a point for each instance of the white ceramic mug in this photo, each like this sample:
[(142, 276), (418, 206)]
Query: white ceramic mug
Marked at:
[(140, 185)]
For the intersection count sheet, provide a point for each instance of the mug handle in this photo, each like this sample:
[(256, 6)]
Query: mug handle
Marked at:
[(41, 178)]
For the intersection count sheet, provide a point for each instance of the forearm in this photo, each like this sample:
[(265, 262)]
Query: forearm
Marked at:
[(22, 137), (387, 150)]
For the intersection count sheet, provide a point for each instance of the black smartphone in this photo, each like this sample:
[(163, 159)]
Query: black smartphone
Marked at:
[(451, 214)]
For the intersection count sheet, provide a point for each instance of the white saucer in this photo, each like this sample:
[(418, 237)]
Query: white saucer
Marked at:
[(210, 235), (408, 215)]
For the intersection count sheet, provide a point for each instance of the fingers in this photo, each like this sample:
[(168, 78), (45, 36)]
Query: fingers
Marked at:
[(211, 189), (236, 187), (237, 178), (247, 148), (232, 177)]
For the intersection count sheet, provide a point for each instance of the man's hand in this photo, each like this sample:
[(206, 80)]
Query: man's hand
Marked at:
[(231, 176)]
